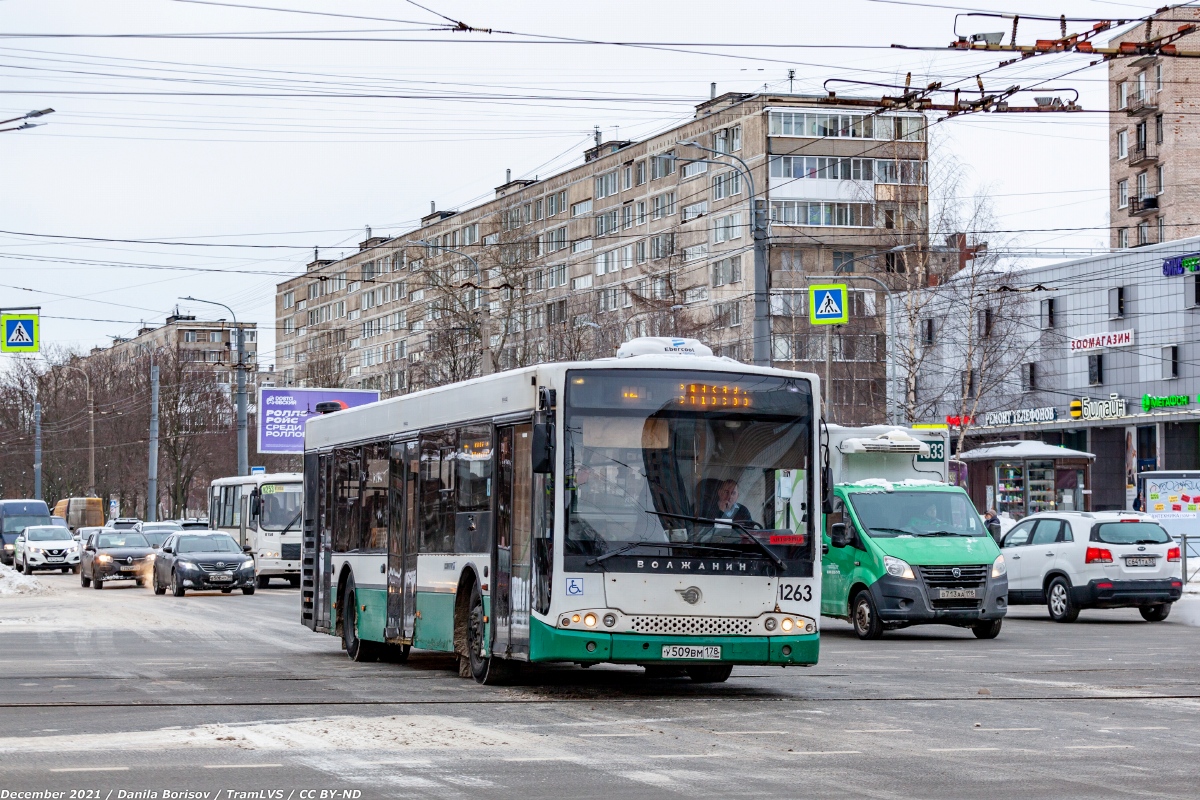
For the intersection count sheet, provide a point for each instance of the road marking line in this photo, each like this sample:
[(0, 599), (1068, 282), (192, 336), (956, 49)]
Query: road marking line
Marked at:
[(882, 730), (90, 769), (685, 755), (959, 749), (1096, 746), (745, 733), (240, 766), (827, 752), (608, 735), (1006, 729), (1154, 728), (541, 758)]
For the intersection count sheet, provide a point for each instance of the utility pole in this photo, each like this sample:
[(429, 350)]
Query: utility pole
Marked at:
[(37, 450), (152, 470)]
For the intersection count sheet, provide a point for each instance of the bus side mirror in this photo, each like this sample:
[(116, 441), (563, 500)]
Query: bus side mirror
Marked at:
[(255, 504), (826, 490), (543, 448), (837, 535)]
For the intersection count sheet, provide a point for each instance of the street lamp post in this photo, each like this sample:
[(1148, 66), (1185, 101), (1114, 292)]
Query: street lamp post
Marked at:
[(485, 317), (758, 227), (243, 461), (91, 430)]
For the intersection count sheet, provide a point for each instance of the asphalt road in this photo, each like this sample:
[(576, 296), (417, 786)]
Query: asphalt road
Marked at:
[(121, 691)]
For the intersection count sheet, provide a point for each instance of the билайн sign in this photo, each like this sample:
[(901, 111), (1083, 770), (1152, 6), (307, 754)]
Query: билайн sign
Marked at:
[(1087, 408)]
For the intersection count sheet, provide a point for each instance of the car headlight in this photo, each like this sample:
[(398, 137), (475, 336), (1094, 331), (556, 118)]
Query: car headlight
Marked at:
[(898, 568), (104, 558), (248, 564), (185, 564), (999, 567), (8, 547), (33, 549)]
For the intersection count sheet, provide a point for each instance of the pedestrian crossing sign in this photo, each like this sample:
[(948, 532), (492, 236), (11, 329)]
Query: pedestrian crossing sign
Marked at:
[(827, 304), (20, 333)]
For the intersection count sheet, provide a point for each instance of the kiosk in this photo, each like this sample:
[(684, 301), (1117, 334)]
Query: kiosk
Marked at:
[(1019, 478)]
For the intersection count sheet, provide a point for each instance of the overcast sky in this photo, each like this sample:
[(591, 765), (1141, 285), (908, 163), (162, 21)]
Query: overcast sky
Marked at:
[(148, 143)]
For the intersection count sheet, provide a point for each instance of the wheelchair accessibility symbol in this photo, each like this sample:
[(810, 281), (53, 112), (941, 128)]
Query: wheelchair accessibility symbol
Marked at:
[(574, 587)]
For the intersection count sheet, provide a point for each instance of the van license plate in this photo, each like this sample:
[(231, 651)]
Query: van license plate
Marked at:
[(958, 594), (710, 653), (1140, 561)]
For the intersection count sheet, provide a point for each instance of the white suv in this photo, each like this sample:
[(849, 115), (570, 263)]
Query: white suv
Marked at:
[(1072, 560), (46, 547)]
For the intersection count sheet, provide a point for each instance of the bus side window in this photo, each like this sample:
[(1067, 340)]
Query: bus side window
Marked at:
[(348, 468), (373, 525), (437, 492)]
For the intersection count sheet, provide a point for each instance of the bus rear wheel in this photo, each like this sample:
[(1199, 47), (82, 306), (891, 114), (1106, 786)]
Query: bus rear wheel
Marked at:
[(356, 648), (262, 581)]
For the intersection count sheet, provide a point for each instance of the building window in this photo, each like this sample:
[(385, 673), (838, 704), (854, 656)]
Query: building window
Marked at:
[(640, 250), (727, 270), (1029, 377), (928, 332), (1122, 144), (693, 168), (1162, 229), (1122, 194), (1143, 232), (1170, 362), (1122, 94), (190, 336), (1158, 129), (289, 299), (846, 125), (970, 383), (791, 261), (214, 336), (662, 246), (1160, 179), (1122, 237), (842, 215), (728, 140), (843, 261), (662, 165), (581, 208), (626, 178), (727, 184), (1116, 302), (607, 222), (1095, 370), (894, 262), (641, 212), (1143, 185), (606, 185), (663, 205), (983, 323), (727, 315), (1048, 313), (727, 228), (627, 217), (694, 211)]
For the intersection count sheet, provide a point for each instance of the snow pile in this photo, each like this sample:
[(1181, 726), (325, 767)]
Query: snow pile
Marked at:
[(13, 582)]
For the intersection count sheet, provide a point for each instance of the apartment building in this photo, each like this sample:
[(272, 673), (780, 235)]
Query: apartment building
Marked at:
[(1154, 143), (642, 238), (206, 344)]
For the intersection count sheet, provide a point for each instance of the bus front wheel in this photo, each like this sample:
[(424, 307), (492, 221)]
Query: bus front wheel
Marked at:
[(484, 669)]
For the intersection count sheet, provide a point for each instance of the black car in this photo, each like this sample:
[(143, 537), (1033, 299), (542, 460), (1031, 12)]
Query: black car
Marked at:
[(114, 555), (202, 560)]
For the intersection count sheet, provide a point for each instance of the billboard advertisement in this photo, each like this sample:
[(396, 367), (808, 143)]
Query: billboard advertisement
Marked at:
[(282, 412)]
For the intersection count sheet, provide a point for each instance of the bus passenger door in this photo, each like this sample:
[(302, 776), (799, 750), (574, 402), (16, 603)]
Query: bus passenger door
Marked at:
[(401, 569), (510, 558)]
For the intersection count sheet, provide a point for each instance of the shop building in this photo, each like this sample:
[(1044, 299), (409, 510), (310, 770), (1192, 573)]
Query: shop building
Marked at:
[(1105, 360)]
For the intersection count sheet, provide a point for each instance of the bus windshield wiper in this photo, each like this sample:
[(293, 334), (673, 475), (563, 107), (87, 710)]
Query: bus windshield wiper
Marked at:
[(619, 551), (738, 526), (295, 519)]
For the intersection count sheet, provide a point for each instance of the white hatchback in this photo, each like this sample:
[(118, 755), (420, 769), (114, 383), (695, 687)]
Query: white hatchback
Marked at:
[(1072, 560)]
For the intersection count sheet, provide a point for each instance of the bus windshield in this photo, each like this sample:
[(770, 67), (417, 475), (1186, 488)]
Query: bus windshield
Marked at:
[(893, 514), (687, 458), (281, 503)]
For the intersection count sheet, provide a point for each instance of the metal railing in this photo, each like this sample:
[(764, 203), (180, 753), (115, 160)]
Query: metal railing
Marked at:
[(1143, 152), (1142, 103), (1184, 546)]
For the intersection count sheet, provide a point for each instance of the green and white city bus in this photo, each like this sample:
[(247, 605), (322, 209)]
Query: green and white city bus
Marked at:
[(659, 508)]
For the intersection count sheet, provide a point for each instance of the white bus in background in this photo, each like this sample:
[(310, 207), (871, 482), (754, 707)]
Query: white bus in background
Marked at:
[(656, 509), (262, 511)]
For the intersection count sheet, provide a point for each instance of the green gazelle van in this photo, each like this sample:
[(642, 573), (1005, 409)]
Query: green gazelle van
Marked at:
[(904, 550)]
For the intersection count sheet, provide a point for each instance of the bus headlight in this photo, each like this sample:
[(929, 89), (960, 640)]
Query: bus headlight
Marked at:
[(610, 620), (589, 620), (898, 568), (786, 625), (769, 623), (999, 567)]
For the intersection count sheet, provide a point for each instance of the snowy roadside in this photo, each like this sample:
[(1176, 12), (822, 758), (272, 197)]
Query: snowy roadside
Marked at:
[(13, 582)]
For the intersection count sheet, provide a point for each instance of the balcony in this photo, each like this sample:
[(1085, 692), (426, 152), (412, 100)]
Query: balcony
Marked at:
[(1143, 153), (1141, 206), (1141, 104)]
